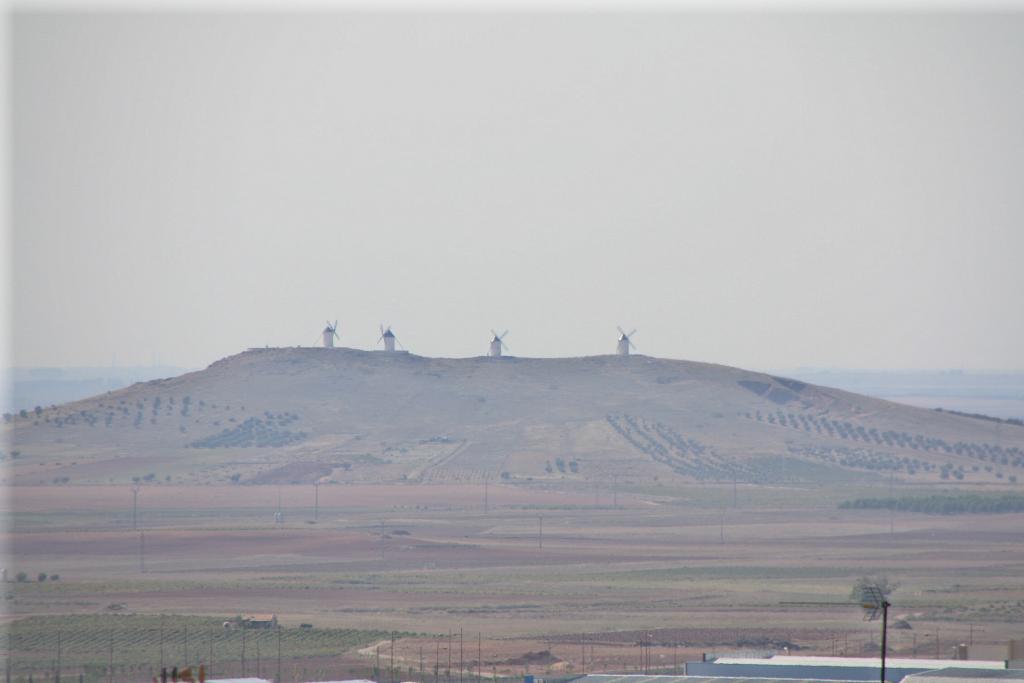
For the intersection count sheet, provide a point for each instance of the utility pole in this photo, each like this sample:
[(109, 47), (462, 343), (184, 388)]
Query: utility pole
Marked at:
[(278, 654), (57, 677), (892, 504), (479, 657), (448, 672), (486, 502), (462, 661), (110, 660), (142, 552), (540, 531), (392, 666), (186, 646), (316, 501), (135, 505)]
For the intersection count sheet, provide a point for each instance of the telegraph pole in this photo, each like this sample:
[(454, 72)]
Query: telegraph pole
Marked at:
[(135, 505), (142, 552)]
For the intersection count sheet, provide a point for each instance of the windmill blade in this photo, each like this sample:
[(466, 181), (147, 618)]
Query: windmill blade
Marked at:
[(495, 334), (631, 344), (336, 335), (503, 344), (398, 342), (632, 333), (502, 335), (621, 331)]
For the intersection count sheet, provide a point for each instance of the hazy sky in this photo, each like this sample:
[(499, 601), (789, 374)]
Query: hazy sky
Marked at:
[(761, 190)]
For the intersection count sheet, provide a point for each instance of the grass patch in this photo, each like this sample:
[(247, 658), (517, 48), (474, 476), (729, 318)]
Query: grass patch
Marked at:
[(138, 644)]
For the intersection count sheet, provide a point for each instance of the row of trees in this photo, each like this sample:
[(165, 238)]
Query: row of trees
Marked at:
[(942, 503)]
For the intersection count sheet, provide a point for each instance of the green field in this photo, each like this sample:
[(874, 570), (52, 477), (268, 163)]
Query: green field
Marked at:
[(139, 645)]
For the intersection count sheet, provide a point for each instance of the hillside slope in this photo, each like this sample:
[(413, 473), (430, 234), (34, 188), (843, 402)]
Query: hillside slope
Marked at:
[(312, 414)]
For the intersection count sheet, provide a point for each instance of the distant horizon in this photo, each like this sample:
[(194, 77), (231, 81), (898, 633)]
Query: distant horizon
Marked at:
[(170, 365)]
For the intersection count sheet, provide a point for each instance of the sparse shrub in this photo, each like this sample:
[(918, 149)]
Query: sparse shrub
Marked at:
[(42, 577), (54, 577), (21, 577)]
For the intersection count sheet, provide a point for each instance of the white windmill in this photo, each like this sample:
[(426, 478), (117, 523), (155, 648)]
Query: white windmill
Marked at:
[(329, 334), (625, 342), (497, 343), (388, 337)]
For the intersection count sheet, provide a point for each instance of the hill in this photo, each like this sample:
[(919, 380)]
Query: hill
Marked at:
[(294, 415)]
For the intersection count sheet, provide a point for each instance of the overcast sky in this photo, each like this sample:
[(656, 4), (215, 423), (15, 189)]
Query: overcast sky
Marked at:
[(761, 190)]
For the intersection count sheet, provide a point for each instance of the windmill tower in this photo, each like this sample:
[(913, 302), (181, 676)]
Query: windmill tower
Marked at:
[(388, 337), (625, 342), (329, 334), (497, 342)]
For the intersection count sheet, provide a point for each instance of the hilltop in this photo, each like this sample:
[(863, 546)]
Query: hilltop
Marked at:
[(294, 415)]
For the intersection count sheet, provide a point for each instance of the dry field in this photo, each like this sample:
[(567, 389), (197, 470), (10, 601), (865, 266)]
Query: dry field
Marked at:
[(699, 568)]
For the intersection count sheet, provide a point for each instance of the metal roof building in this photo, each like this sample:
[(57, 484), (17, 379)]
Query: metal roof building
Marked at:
[(829, 668), (646, 678), (967, 675)]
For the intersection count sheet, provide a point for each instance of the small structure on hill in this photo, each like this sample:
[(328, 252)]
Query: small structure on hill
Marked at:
[(260, 621), (497, 343), (625, 342), (330, 333), (388, 337)]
